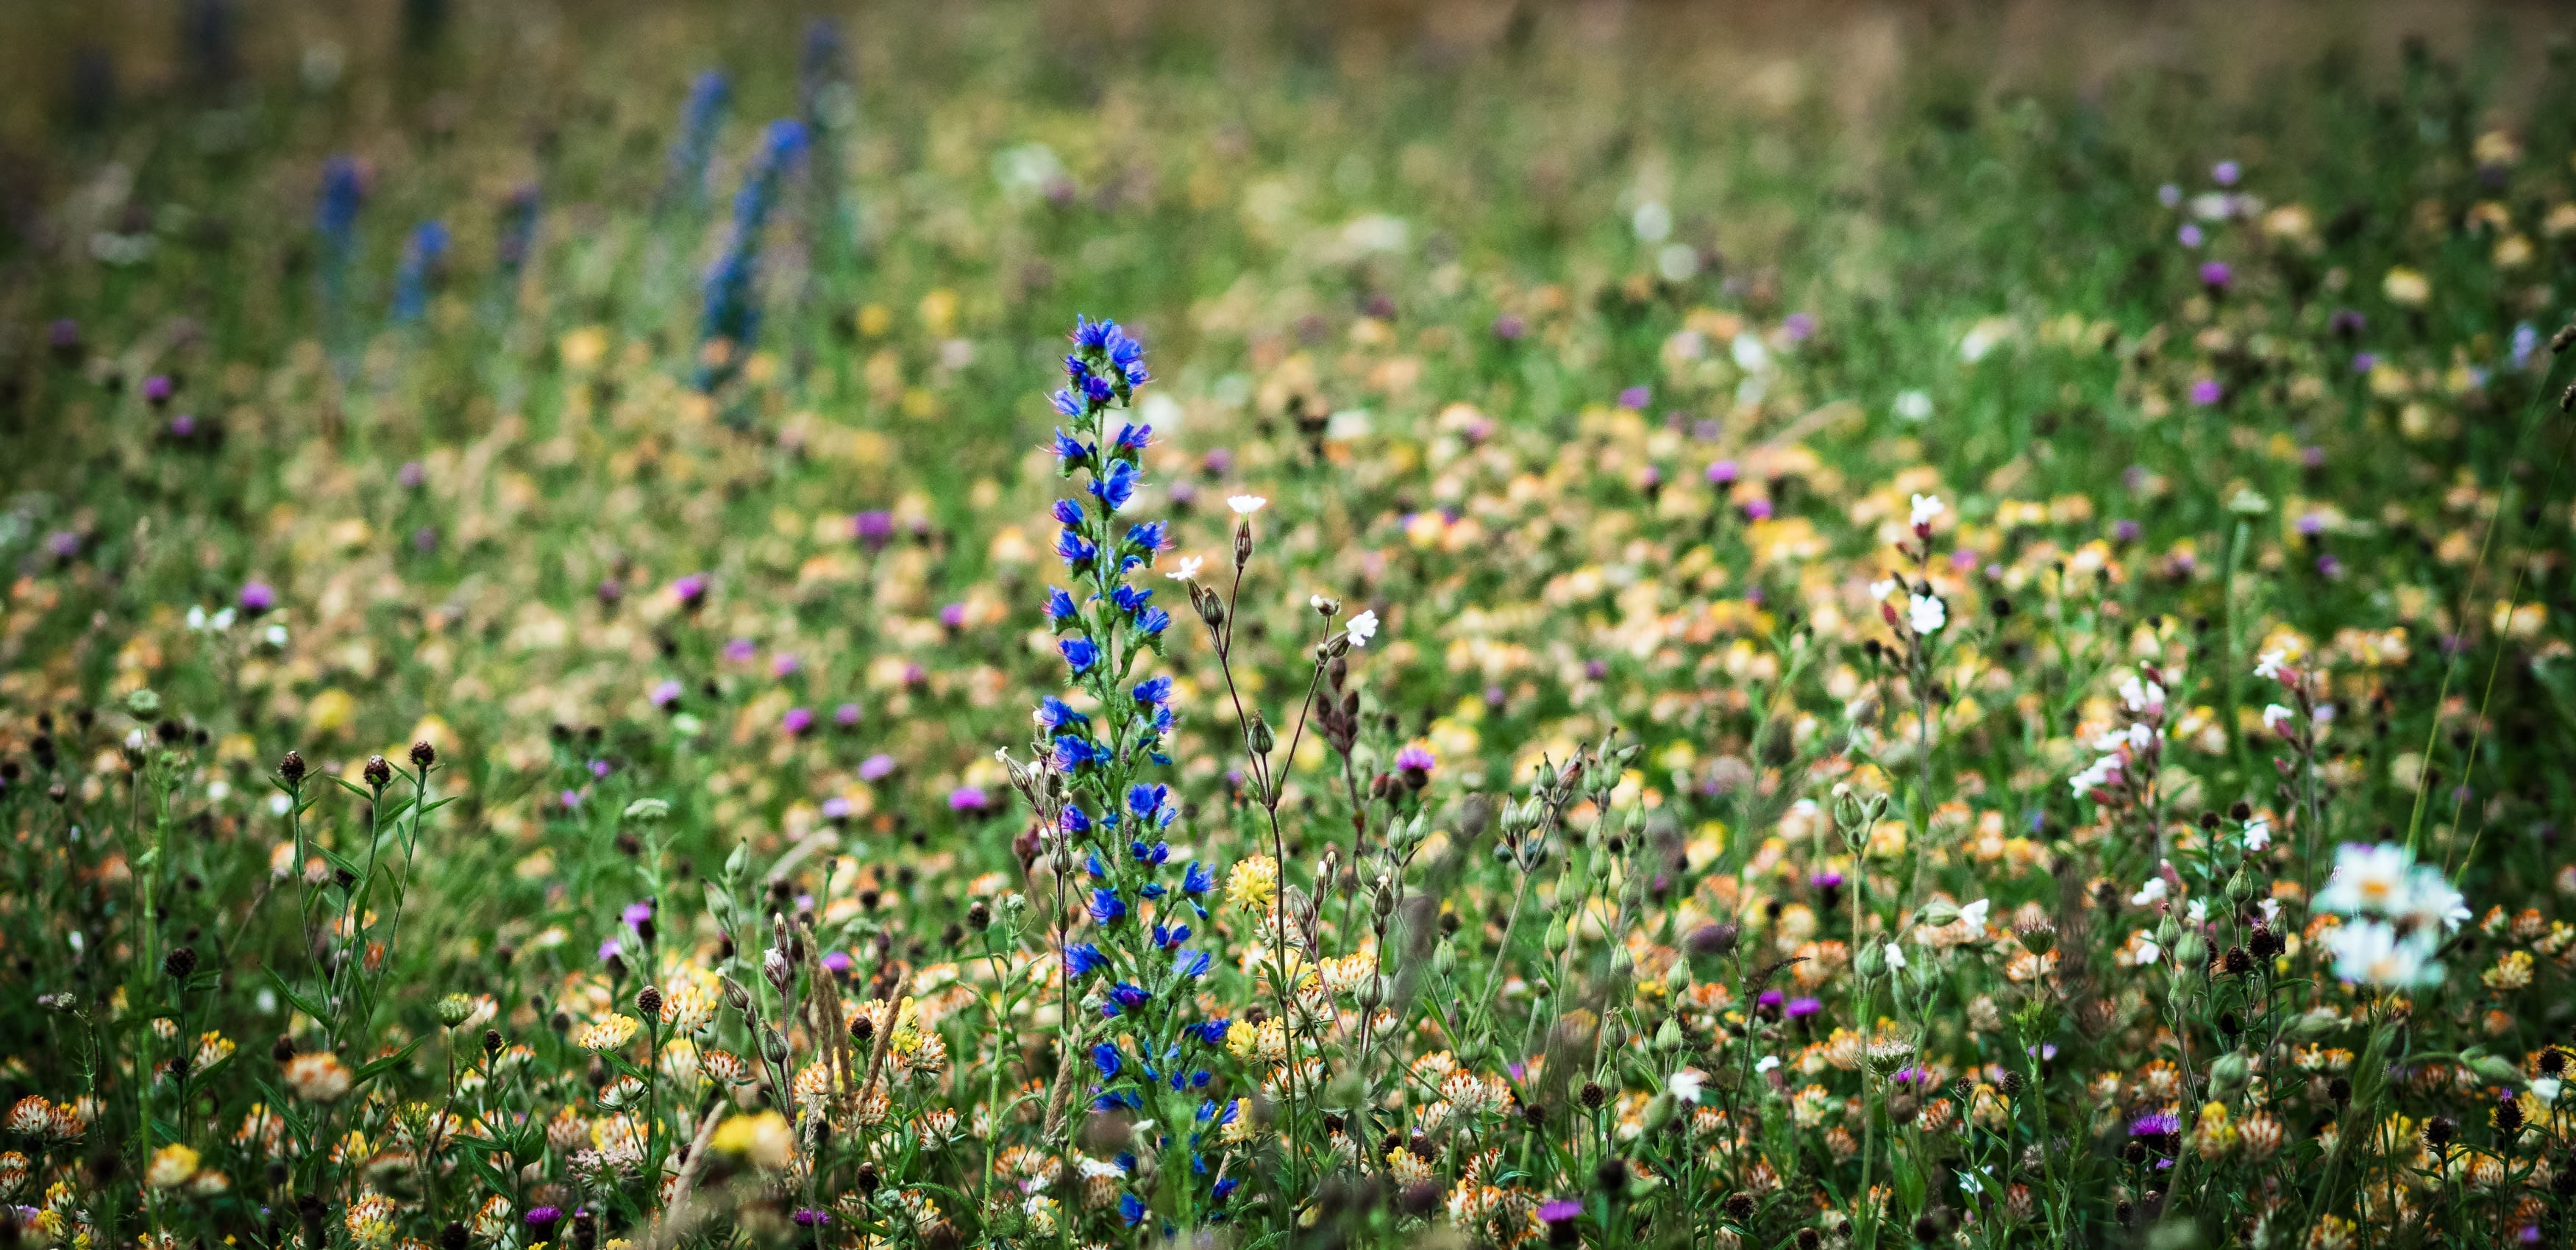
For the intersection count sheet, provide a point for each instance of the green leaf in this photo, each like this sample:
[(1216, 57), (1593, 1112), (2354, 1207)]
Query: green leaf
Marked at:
[(380, 1066), (295, 1000)]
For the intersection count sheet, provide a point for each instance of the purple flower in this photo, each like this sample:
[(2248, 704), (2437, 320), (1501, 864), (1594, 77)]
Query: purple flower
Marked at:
[(873, 528), (636, 913), (969, 799), (1798, 326), (257, 597), (1636, 397), (808, 1217), (846, 716), (876, 767), (2216, 274), (157, 389), (836, 961), (2364, 362), (1509, 328), (1827, 880), (2189, 235), (63, 334), (2155, 1124), (739, 650), (412, 475), (783, 665), (1559, 1210), (1415, 758), (1757, 510), (184, 425), (2330, 567), (691, 590), (666, 695), (543, 1218), (2206, 392), (2125, 530), (1722, 473), (836, 808), (796, 722), (2312, 523), (953, 616), (1801, 1008), (570, 799), (611, 949), (2347, 322), (2225, 173)]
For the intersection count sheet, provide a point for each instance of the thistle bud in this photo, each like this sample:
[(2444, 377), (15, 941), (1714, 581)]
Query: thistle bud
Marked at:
[(378, 773), (291, 770), (423, 755)]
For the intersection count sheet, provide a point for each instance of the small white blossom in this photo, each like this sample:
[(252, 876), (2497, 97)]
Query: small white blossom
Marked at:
[(1974, 914), (2277, 718), (1363, 627), (1926, 507), (1766, 1063), (1926, 614), (1245, 505), (1188, 570), (1895, 955), (1881, 589), (2269, 665), (2258, 834), (1683, 1085), (2150, 894)]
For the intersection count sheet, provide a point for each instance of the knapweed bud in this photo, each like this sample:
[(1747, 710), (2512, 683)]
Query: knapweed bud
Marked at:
[(180, 962), (423, 755), (979, 916), (378, 773), (291, 770), (454, 1009), (648, 1002), (492, 1041)]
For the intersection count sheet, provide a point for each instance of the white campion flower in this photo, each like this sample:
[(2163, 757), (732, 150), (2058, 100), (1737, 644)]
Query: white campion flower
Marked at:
[(1881, 589), (1974, 915), (2277, 718), (2268, 665), (2142, 696), (1245, 505), (1926, 507), (1684, 1086), (2196, 911), (2148, 951), (2150, 894), (2258, 834), (1926, 614), (1765, 1064), (1895, 956), (1188, 569), (1363, 627)]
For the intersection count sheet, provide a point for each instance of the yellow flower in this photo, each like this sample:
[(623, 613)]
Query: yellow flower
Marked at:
[(608, 1033), (171, 1167), (764, 1139), (1253, 883), (2406, 288)]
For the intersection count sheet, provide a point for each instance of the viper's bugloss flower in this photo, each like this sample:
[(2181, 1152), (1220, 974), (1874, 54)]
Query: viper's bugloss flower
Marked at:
[(1082, 959), (1079, 652), (422, 254), (1196, 879), (1106, 907), (699, 118), (1105, 1057)]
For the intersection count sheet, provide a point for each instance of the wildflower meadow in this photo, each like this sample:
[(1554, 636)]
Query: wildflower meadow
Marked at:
[(1482, 624)]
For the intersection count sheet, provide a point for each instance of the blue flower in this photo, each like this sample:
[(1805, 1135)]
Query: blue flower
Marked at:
[(698, 121), (420, 260), (1055, 713), (1154, 621), (1128, 997), (1093, 866), (1192, 963), (1075, 822), (1106, 907), (1212, 1032), (1067, 513), (1154, 854), (1075, 550), (1068, 449), (1171, 936), (1105, 1057), (1146, 800), (1134, 438), (1131, 1209), (1116, 487), (1196, 880), (1071, 753), (1059, 605), (1080, 652), (1067, 403), (1154, 691), (1082, 958), (1093, 336), (1129, 599), (1226, 1186), (1146, 537)]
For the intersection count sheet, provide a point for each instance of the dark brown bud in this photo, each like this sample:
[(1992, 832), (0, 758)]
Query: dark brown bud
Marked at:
[(491, 1041), (423, 755), (648, 1002), (179, 963), (291, 769), (378, 772), (979, 916)]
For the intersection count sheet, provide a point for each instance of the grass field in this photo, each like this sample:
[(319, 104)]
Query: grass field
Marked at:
[(1463, 625)]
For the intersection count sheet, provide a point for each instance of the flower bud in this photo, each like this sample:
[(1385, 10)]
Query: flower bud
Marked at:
[(1262, 742), (453, 1010), (1668, 1036), (378, 773), (1659, 1112), (1444, 958), (291, 770), (1870, 959), (2243, 886), (422, 754), (1557, 938), (1677, 978), (773, 1043), (2227, 1074)]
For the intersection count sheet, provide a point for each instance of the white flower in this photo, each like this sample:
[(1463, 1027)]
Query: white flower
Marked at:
[(2268, 665), (1096, 1168), (2277, 718), (1913, 406), (1926, 614), (2258, 834), (1188, 570), (1895, 956), (1766, 1063), (2430, 900), (1363, 627), (1683, 1085), (2370, 951), (2102, 772), (2545, 1089), (2148, 951), (2197, 911), (1245, 505), (1926, 507), (1881, 589), (2142, 696), (2150, 894), (2367, 878), (1974, 915)]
